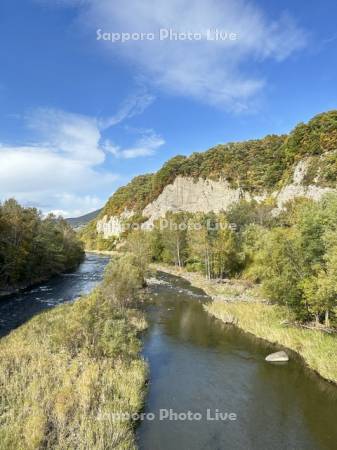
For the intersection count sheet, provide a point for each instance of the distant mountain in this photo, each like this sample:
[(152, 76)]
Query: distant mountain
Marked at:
[(79, 222)]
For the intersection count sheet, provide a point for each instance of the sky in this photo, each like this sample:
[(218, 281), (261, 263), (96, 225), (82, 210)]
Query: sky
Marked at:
[(95, 92)]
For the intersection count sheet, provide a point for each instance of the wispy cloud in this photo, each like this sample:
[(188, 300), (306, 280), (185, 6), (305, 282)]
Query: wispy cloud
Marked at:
[(146, 145), (214, 72), (72, 136), (330, 39), (135, 104)]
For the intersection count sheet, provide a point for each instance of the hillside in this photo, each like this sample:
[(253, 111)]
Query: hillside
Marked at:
[(79, 222), (302, 163)]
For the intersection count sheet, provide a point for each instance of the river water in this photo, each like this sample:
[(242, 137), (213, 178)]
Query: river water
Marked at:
[(17, 309), (197, 364)]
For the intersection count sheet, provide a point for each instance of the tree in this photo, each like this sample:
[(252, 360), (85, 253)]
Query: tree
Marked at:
[(139, 244), (247, 212), (225, 251), (174, 238), (298, 263), (33, 248), (213, 245), (199, 244), (124, 277), (279, 264)]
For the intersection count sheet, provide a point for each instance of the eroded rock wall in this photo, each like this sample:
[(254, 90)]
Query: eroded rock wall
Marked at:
[(187, 194)]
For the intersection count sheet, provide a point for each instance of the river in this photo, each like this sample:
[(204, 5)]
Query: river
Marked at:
[(197, 364), (17, 309)]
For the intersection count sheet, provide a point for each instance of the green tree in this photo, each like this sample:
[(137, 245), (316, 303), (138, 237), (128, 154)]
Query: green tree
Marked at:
[(33, 248), (174, 238), (139, 244)]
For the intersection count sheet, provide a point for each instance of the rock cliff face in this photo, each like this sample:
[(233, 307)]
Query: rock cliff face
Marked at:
[(113, 225), (302, 163), (298, 189), (187, 194), (109, 226)]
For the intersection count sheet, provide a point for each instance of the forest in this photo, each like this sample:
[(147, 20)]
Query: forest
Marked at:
[(34, 248), (257, 165), (292, 256)]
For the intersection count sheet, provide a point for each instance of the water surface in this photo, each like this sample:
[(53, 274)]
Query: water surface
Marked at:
[(17, 309), (198, 363)]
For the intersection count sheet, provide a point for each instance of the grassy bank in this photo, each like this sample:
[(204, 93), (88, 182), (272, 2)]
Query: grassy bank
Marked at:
[(240, 302), (67, 371), (318, 349)]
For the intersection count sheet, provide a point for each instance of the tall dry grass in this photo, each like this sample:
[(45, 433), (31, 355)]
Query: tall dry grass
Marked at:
[(269, 322), (65, 373)]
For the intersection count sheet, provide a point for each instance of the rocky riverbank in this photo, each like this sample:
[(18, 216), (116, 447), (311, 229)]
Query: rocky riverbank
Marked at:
[(228, 290)]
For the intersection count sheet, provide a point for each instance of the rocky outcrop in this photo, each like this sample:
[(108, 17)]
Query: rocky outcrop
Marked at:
[(113, 225), (298, 189), (187, 194), (109, 226), (190, 195), (293, 191)]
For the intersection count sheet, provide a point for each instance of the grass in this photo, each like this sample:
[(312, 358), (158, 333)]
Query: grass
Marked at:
[(240, 302), (318, 349), (67, 371)]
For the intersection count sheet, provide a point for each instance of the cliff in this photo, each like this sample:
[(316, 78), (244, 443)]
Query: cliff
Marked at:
[(280, 168)]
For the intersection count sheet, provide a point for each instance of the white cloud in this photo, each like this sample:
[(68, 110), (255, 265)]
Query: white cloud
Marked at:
[(213, 72), (76, 205), (70, 135), (146, 145), (135, 104), (24, 170), (63, 171), (40, 177)]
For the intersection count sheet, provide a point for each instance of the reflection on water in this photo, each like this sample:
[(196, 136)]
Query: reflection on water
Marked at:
[(198, 363), (17, 309)]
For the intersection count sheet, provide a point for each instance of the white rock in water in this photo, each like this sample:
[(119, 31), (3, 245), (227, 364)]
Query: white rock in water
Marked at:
[(277, 357)]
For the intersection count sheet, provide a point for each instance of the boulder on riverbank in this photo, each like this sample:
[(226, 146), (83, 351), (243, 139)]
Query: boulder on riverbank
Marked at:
[(277, 357)]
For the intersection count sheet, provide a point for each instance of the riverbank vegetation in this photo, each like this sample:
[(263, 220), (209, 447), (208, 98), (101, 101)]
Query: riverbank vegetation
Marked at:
[(273, 276), (292, 255), (274, 323), (289, 255), (33, 248), (66, 373), (238, 302)]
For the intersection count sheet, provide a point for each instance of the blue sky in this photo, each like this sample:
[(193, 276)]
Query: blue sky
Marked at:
[(81, 116)]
